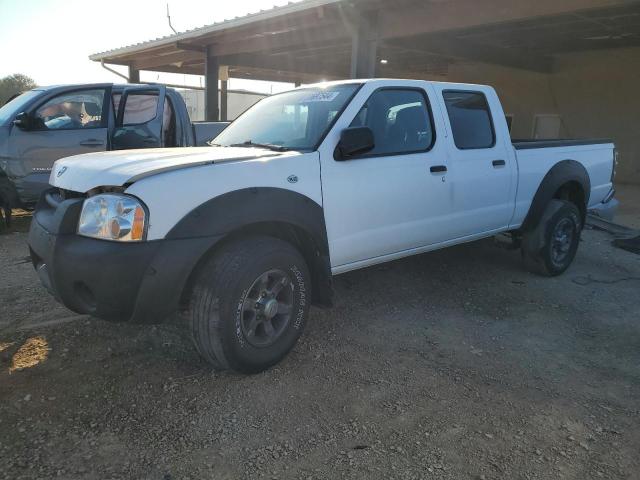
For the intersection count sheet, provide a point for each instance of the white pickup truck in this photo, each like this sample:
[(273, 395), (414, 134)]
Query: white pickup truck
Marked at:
[(245, 235)]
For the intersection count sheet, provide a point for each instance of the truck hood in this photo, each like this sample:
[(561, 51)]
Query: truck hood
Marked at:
[(82, 173)]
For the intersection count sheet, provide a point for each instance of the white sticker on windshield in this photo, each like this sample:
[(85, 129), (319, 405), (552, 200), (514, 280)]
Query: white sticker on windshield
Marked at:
[(322, 97)]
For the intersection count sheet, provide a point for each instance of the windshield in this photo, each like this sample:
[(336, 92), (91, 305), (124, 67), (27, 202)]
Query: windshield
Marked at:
[(15, 106), (295, 120)]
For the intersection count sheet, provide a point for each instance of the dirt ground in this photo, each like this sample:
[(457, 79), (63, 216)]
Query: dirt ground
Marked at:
[(456, 364)]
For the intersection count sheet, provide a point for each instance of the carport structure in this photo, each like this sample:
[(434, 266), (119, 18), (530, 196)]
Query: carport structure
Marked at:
[(562, 68)]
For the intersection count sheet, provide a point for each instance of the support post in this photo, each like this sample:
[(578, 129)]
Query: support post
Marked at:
[(224, 93), (134, 75), (364, 48), (211, 75)]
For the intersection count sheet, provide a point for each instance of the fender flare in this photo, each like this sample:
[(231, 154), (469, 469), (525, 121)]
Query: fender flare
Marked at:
[(233, 211), (560, 174)]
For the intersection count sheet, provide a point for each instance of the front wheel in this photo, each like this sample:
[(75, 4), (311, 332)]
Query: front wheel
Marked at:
[(249, 304), (550, 248)]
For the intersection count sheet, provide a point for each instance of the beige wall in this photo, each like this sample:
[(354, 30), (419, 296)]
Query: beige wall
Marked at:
[(523, 94), (596, 93)]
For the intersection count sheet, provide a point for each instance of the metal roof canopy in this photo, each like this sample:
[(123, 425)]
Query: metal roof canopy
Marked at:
[(324, 39)]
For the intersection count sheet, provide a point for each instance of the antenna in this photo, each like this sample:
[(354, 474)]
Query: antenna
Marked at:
[(169, 19)]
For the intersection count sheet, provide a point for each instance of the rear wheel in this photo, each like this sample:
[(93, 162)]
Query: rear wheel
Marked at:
[(550, 248), (249, 304)]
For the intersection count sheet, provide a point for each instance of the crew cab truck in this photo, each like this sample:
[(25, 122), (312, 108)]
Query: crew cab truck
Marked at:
[(47, 123), (243, 236)]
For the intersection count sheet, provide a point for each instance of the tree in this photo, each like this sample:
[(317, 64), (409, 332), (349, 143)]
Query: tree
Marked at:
[(14, 84)]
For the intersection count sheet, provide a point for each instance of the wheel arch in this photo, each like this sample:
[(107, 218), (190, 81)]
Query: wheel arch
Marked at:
[(566, 180), (280, 213)]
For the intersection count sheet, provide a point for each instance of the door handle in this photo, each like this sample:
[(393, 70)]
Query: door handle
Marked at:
[(438, 169), (499, 163), (92, 142)]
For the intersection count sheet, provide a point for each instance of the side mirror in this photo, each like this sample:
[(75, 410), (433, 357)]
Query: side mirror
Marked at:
[(354, 141), (22, 121)]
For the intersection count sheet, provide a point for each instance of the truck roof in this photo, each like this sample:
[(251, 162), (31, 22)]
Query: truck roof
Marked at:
[(116, 86), (386, 81)]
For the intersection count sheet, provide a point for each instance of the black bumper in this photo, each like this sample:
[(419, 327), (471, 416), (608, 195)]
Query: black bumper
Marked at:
[(137, 282)]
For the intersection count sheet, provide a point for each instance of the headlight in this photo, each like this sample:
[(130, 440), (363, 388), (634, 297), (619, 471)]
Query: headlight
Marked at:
[(113, 217)]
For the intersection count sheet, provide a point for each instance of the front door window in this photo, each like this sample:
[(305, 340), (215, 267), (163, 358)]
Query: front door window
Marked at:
[(71, 111)]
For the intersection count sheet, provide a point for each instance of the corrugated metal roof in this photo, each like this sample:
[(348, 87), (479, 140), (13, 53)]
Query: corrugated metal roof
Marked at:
[(276, 11)]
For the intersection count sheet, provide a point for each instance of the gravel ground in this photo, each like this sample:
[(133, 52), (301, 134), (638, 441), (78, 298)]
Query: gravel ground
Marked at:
[(451, 365)]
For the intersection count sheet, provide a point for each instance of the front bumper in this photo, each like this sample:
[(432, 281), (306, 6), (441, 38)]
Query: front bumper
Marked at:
[(137, 282)]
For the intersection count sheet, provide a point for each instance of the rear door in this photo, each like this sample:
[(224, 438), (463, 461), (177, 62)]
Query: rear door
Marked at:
[(482, 165), (64, 124), (139, 117)]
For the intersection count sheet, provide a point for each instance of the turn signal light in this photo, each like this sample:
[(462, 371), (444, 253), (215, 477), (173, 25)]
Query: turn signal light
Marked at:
[(137, 229)]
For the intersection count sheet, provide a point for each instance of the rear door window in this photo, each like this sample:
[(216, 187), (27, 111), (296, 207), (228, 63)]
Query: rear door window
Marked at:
[(470, 119), (140, 108), (139, 118)]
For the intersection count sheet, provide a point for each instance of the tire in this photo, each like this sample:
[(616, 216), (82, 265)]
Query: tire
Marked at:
[(550, 248), (5, 216), (6, 196), (233, 327)]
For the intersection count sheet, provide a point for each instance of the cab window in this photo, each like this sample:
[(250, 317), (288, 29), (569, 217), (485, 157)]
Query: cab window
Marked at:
[(399, 119), (140, 107), (71, 111), (470, 119)]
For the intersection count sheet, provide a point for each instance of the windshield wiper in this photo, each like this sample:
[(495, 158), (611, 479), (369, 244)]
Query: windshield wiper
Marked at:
[(270, 146)]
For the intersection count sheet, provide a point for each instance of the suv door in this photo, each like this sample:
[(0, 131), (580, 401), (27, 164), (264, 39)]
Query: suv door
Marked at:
[(394, 198), (139, 117), (65, 124)]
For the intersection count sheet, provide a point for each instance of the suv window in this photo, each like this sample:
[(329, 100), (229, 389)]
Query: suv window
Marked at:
[(71, 111), (399, 119), (470, 119)]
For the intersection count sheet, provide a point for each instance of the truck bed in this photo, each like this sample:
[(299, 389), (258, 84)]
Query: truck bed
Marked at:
[(525, 144), (536, 157)]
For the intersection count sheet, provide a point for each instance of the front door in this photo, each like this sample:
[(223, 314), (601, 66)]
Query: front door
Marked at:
[(392, 199), (67, 124)]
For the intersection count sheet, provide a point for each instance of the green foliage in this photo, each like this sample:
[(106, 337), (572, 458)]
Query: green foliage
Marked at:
[(14, 84)]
